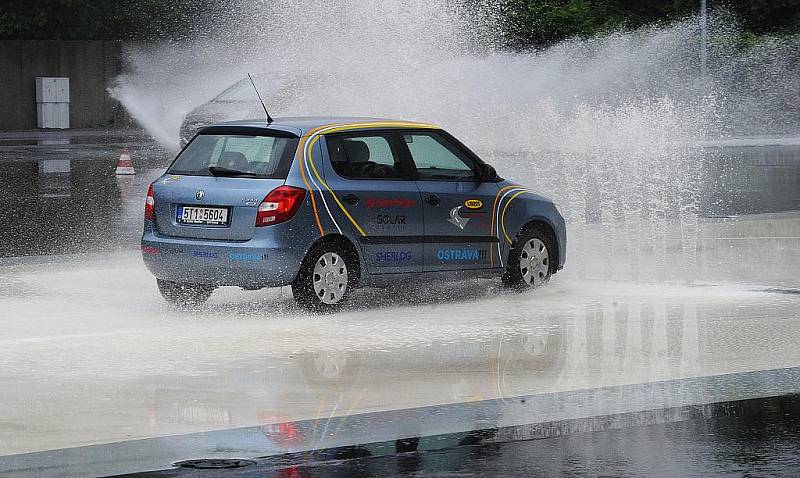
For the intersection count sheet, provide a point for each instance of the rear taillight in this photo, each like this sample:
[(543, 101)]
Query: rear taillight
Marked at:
[(149, 205), (279, 205)]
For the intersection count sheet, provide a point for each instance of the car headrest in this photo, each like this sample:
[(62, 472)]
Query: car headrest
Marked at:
[(233, 160), (356, 151)]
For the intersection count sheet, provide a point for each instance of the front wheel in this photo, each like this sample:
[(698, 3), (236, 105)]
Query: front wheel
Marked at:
[(184, 295), (531, 261), (325, 280)]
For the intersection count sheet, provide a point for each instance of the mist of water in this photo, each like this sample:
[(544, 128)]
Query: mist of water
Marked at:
[(607, 127)]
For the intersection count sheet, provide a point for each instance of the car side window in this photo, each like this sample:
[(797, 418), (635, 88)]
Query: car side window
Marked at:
[(363, 156), (436, 158)]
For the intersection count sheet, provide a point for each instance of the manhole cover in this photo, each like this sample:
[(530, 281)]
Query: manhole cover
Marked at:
[(214, 463)]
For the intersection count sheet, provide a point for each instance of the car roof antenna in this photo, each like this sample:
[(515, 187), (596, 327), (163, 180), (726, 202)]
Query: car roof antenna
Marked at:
[(269, 118)]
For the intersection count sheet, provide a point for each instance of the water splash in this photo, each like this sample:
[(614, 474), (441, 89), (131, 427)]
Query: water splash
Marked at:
[(607, 127)]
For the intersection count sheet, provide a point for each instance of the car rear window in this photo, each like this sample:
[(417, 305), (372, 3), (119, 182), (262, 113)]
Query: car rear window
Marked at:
[(258, 156)]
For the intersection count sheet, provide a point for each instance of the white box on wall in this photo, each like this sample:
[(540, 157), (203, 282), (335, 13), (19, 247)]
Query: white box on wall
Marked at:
[(52, 102), (52, 89), (52, 115)]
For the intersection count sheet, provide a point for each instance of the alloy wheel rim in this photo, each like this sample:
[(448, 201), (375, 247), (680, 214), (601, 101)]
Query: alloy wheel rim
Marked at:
[(534, 262), (330, 278)]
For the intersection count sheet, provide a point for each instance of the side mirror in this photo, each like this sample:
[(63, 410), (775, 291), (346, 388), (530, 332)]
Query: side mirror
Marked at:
[(488, 174)]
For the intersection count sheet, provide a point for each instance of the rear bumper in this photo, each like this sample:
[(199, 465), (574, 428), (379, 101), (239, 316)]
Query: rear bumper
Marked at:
[(259, 262)]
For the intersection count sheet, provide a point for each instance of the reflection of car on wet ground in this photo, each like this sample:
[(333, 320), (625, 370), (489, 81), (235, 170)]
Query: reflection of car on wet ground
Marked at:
[(512, 360), (539, 352), (240, 101), (468, 373), (328, 204)]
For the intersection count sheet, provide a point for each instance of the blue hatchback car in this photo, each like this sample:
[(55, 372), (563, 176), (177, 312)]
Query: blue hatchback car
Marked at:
[(330, 204)]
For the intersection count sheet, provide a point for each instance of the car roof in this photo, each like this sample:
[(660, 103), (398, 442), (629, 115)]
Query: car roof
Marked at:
[(301, 125)]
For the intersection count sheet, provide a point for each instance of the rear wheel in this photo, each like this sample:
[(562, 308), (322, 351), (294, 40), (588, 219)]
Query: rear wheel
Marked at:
[(326, 278), (531, 261), (184, 295)]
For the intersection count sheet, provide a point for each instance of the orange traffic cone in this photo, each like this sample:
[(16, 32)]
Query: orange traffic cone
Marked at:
[(125, 165)]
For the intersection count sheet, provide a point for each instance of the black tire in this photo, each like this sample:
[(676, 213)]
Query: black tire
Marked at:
[(316, 293), (183, 295), (538, 274)]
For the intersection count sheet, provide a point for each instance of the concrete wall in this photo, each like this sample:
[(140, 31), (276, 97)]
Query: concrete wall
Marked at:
[(752, 179), (90, 66)]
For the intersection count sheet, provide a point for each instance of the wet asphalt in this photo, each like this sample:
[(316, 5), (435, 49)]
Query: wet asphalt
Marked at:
[(750, 438), (96, 366)]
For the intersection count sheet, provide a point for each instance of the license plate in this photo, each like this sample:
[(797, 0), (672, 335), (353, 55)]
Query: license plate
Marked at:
[(211, 216)]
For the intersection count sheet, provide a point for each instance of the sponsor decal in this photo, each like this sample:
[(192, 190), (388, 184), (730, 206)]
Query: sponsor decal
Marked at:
[(456, 219), (393, 256), (461, 254), (170, 179), (473, 203), (476, 216), (373, 202), (163, 250), (150, 250), (245, 256), (460, 218), (391, 219), (205, 254)]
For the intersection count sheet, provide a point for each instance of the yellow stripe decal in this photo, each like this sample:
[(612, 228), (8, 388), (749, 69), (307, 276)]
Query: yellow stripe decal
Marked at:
[(311, 192), (310, 145), (503, 214), (491, 226), (313, 135), (304, 150)]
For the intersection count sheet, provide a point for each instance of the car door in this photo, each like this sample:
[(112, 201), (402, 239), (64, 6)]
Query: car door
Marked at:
[(456, 204), (373, 181)]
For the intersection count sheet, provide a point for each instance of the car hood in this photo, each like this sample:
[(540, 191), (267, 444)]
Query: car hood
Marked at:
[(217, 111), (530, 192)]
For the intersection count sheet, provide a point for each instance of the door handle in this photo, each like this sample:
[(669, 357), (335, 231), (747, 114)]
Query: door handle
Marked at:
[(351, 199), (433, 200)]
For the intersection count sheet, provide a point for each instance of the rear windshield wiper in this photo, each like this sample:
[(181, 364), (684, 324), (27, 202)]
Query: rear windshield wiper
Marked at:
[(218, 171)]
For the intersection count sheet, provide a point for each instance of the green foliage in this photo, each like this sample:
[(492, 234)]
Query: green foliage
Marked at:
[(527, 23), (536, 23), (768, 16), (541, 22), (97, 19)]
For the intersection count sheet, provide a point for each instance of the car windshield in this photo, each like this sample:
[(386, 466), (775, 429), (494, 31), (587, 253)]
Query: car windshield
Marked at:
[(242, 90), (274, 85), (264, 157)]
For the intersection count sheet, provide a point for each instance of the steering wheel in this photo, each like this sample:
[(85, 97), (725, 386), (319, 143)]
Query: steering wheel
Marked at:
[(379, 171)]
